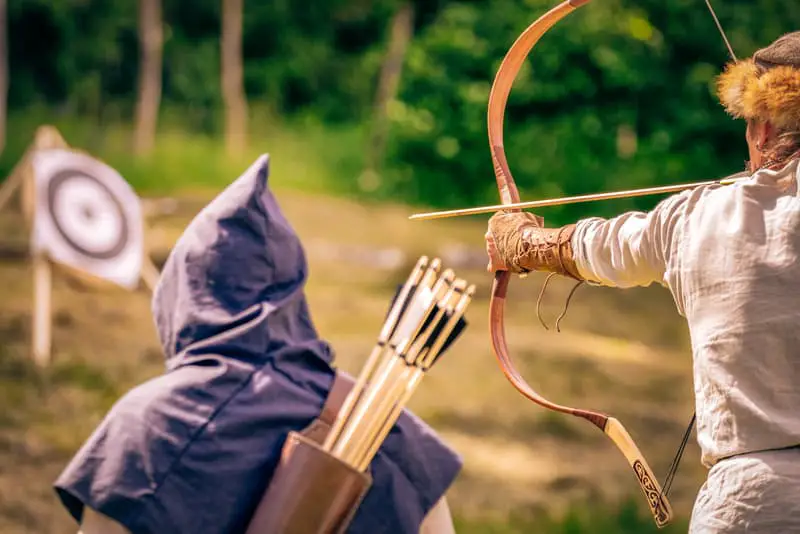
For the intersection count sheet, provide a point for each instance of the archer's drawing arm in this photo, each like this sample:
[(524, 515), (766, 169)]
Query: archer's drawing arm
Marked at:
[(626, 251)]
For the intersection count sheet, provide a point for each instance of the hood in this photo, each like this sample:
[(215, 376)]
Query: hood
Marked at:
[(233, 284)]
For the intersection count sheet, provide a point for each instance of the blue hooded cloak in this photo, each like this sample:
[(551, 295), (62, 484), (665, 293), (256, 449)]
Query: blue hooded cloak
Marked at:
[(192, 451)]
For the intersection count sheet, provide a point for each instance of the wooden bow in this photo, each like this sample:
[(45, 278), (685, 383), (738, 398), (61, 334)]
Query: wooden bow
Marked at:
[(498, 97)]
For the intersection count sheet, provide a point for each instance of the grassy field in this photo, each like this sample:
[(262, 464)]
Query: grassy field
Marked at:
[(526, 469)]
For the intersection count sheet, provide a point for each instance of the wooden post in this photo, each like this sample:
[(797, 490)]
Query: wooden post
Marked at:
[(41, 341), (149, 273), (22, 179), (8, 188)]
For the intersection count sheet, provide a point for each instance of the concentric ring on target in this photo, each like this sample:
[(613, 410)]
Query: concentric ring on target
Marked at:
[(87, 215)]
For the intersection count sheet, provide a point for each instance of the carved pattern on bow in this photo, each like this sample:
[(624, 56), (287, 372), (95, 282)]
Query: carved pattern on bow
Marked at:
[(658, 504)]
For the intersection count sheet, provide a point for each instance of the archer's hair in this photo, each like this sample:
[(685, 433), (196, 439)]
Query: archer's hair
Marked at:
[(782, 149)]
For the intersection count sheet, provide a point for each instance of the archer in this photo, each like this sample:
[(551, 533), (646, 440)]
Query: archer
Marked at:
[(729, 256)]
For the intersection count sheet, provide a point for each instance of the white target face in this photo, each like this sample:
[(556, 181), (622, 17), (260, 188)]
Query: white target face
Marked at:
[(87, 216)]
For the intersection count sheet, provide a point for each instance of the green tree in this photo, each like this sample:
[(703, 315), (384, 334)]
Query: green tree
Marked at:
[(151, 45), (232, 74), (3, 74)]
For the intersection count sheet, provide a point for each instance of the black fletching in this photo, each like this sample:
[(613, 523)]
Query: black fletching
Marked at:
[(394, 298), (457, 330)]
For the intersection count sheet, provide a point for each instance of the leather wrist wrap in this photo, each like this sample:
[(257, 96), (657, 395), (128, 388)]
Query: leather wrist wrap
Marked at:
[(549, 249), (525, 245)]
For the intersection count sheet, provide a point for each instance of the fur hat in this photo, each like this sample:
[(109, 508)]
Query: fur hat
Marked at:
[(765, 87)]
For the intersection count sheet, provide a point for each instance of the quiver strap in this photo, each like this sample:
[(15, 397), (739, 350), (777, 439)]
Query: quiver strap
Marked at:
[(311, 491), (318, 430)]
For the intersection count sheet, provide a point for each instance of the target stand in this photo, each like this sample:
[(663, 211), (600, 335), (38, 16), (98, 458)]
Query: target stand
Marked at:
[(82, 216)]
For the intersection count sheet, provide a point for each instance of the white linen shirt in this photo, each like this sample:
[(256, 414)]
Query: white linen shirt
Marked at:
[(729, 256)]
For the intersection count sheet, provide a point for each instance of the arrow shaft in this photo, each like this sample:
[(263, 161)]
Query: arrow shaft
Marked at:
[(571, 200)]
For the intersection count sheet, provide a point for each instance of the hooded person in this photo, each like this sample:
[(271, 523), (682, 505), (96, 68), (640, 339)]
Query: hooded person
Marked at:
[(193, 450), (730, 256)]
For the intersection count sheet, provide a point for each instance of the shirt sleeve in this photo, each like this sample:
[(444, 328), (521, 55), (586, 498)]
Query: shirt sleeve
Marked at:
[(632, 249)]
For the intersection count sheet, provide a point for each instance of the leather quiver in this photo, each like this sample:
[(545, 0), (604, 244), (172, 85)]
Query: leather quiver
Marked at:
[(311, 492)]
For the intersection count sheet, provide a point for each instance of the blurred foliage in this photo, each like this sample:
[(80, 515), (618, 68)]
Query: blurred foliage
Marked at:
[(317, 57), (304, 155), (618, 95)]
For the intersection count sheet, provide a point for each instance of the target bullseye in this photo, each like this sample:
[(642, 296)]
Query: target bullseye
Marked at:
[(87, 216)]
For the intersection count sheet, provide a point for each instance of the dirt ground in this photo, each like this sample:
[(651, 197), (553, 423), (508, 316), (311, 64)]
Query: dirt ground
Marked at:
[(622, 352)]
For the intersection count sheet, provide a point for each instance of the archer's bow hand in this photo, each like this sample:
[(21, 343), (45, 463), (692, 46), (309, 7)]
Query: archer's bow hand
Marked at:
[(518, 242), (496, 263)]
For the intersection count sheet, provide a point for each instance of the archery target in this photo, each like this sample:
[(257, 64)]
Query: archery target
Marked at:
[(87, 217)]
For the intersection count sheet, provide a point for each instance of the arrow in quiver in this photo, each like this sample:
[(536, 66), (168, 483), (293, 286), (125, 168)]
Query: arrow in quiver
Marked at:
[(319, 484)]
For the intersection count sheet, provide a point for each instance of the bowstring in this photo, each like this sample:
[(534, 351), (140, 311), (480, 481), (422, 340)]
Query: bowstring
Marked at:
[(673, 469), (721, 30)]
